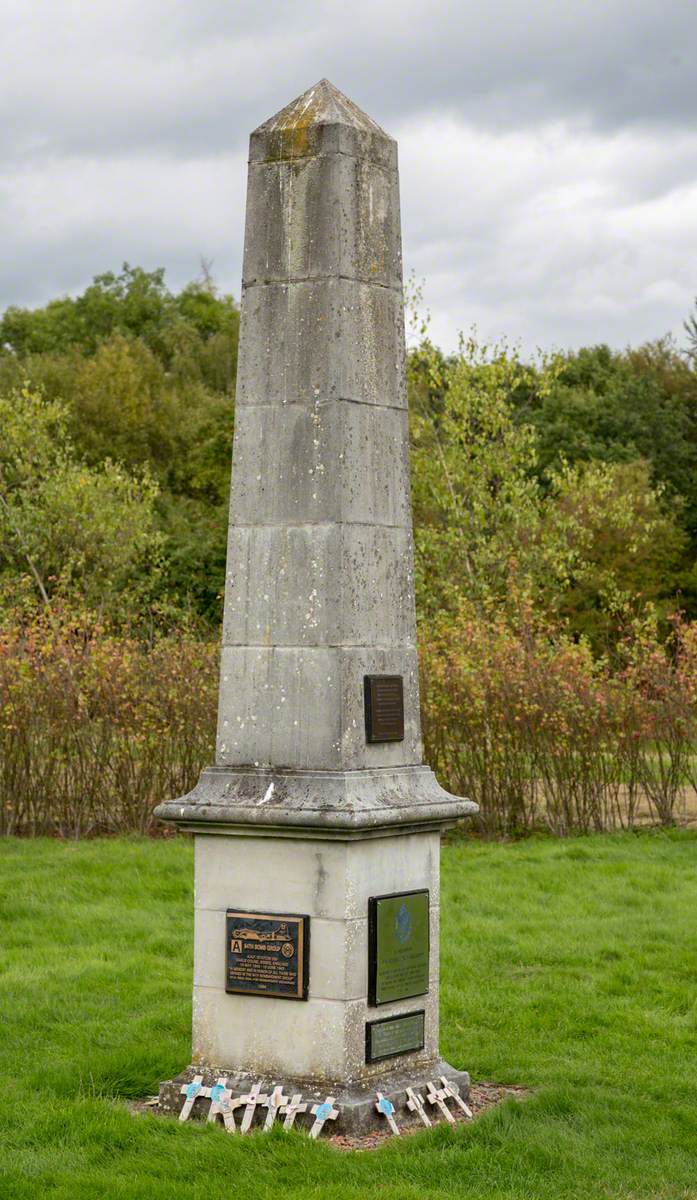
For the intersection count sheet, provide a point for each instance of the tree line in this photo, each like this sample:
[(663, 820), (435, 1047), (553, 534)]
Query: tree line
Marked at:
[(568, 482)]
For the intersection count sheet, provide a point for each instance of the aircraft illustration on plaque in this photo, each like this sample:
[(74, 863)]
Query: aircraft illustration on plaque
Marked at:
[(280, 934)]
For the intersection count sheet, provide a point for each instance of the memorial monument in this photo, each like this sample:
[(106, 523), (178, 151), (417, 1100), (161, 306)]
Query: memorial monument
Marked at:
[(317, 831)]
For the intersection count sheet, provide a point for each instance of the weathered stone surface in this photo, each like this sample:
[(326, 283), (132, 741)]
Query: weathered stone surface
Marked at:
[(264, 715), (322, 217), (373, 802), (320, 583), (328, 585), (326, 339), (302, 707), (332, 882), (332, 461), (322, 121)]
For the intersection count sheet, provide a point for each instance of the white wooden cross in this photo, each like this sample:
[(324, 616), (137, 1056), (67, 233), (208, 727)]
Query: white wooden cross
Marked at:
[(386, 1107), (227, 1107), (415, 1103), (255, 1096), (437, 1096), (273, 1104), (219, 1093), (451, 1089), (190, 1091), (292, 1109), (323, 1112)]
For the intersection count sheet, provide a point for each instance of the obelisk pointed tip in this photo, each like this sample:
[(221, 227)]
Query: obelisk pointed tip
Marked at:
[(296, 125)]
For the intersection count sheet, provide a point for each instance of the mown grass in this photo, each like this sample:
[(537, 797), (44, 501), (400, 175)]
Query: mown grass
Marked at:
[(568, 966)]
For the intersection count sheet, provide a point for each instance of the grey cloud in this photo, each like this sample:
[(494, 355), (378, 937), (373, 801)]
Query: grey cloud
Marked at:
[(187, 78), (548, 150)]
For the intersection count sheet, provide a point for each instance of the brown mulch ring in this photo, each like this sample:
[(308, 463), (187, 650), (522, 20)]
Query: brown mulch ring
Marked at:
[(481, 1097)]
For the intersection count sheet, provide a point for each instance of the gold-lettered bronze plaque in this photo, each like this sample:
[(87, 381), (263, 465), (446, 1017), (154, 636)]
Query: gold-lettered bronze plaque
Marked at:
[(267, 954)]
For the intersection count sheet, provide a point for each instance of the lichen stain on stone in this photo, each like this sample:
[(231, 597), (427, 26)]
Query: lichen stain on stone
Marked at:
[(289, 132), (291, 136)]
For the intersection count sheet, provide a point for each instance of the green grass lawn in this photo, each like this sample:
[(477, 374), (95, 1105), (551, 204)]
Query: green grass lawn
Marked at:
[(567, 966)]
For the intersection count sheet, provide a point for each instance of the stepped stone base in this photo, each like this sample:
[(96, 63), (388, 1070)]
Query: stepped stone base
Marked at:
[(355, 1101)]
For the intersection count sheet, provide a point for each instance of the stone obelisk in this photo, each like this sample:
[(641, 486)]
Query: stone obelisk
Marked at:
[(317, 831)]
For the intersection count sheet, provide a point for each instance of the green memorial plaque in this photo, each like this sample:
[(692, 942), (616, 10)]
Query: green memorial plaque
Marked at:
[(398, 946), (394, 1035)]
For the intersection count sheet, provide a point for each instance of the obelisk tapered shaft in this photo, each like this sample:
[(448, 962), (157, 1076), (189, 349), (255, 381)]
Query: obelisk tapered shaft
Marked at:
[(319, 587), (319, 594)]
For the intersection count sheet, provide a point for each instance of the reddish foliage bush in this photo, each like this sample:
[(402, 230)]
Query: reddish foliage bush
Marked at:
[(528, 724), (96, 730)]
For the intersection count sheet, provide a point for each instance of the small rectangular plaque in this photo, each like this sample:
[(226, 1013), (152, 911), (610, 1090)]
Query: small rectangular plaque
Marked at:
[(394, 1035), (267, 954), (384, 708), (398, 946)]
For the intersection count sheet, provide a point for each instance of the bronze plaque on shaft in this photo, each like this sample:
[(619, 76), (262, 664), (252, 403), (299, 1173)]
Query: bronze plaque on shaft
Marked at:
[(384, 708), (267, 954)]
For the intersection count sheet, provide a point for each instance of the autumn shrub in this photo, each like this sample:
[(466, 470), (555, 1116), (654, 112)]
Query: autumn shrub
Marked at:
[(665, 680), (528, 723), (96, 730)]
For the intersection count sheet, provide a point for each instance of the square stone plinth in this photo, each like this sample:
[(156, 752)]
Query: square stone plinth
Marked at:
[(322, 1038)]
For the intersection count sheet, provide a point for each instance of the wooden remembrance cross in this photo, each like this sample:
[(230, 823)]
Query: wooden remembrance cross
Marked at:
[(291, 1110), (274, 1104), (254, 1098), (323, 1112)]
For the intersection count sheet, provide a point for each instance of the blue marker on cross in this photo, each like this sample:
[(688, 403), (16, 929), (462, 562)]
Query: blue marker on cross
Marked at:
[(190, 1091), (386, 1108), (323, 1112)]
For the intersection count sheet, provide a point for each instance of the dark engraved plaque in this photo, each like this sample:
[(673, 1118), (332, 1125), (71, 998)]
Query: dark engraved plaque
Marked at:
[(398, 946), (267, 954), (384, 708), (394, 1035)]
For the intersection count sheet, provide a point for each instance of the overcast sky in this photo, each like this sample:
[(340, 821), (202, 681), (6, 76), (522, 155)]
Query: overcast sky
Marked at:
[(548, 148)]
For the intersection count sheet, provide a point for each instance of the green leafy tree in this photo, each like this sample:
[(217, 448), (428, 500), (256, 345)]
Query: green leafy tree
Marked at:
[(146, 378), (616, 407), (475, 492), (625, 549), (85, 534), (193, 333), (592, 544)]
